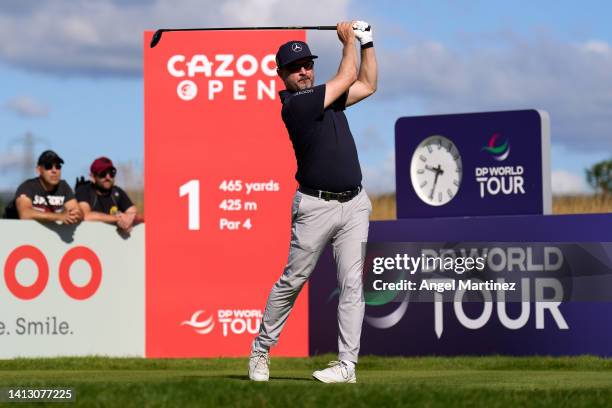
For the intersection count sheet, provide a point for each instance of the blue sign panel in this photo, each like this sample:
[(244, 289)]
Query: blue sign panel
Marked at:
[(493, 163), (406, 327)]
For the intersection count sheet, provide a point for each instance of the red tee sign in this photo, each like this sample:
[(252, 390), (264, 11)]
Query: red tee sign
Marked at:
[(219, 170)]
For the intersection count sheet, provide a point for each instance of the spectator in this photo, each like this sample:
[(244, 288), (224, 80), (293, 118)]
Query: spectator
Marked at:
[(102, 200), (46, 197)]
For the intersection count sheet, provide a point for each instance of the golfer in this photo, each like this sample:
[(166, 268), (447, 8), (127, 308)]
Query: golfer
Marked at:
[(330, 204)]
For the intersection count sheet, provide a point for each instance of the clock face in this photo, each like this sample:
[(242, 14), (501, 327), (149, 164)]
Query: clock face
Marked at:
[(436, 170)]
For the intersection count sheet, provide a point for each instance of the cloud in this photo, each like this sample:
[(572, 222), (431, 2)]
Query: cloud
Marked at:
[(571, 81), (104, 38), (26, 107), (487, 71), (566, 183), (379, 178), (371, 140)]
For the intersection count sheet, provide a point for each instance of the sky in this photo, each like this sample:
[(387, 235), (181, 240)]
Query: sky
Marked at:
[(71, 73)]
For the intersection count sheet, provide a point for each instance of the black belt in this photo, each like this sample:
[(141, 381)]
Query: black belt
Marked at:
[(328, 195)]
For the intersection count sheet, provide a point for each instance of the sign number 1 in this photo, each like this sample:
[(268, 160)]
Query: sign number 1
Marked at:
[(192, 190)]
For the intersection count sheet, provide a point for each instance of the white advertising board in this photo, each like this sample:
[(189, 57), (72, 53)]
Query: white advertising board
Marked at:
[(71, 291)]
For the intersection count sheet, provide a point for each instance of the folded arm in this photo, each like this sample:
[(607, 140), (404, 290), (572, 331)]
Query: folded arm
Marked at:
[(70, 215)]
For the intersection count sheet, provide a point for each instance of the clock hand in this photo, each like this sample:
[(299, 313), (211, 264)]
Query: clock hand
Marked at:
[(434, 184), (435, 169)]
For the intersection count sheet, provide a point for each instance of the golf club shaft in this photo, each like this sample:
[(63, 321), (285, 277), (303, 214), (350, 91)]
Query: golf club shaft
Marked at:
[(252, 28), (158, 33)]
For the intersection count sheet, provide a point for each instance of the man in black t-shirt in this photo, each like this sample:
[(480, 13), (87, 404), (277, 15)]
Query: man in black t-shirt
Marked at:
[(46, 197), (102, 200), (330, 204)]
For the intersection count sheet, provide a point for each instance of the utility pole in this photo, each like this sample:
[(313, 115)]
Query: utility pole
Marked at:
[(28, 145), (28, 155)]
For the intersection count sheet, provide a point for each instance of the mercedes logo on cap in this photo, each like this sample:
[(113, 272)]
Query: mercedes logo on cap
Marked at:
[(296, 47)]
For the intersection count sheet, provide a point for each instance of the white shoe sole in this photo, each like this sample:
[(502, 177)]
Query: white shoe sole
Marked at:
[(329, 381)]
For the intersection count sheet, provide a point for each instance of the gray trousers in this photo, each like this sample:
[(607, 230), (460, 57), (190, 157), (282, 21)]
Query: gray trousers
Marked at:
[(315, 222)]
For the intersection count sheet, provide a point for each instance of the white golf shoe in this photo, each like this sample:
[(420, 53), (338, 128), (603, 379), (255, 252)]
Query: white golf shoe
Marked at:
[(337, 372), (259, 366)]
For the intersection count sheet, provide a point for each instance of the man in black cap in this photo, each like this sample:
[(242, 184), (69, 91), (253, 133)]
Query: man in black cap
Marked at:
[(46, 197), (330, 204)]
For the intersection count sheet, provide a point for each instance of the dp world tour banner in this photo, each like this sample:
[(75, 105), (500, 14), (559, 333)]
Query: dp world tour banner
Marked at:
[(490, 163), (219, 173), (517, 285)]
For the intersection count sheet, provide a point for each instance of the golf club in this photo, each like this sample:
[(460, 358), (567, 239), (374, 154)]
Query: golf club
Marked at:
[(158, 34)]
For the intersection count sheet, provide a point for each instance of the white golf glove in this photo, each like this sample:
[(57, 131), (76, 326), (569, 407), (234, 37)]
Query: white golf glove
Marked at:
[(361, 34)]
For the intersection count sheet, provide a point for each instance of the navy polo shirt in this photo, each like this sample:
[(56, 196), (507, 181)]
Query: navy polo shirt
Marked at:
[(324, 146)]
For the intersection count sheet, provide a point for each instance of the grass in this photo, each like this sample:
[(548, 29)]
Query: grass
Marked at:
[(382, 381), (582, 204), (383, 206)]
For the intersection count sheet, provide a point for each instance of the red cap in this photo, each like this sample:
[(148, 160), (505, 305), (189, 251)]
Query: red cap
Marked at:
[(101, 164)]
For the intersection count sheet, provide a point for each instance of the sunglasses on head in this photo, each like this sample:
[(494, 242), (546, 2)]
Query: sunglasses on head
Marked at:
[(103, 174), (49, 166), (297, 66)]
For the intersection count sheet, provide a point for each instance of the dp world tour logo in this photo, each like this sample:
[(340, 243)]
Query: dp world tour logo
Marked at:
[(499, 152), (231, 321), (374, 299), (201, 327)]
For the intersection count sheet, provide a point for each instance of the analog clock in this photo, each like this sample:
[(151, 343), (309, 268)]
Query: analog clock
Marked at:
[(436, 170)]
